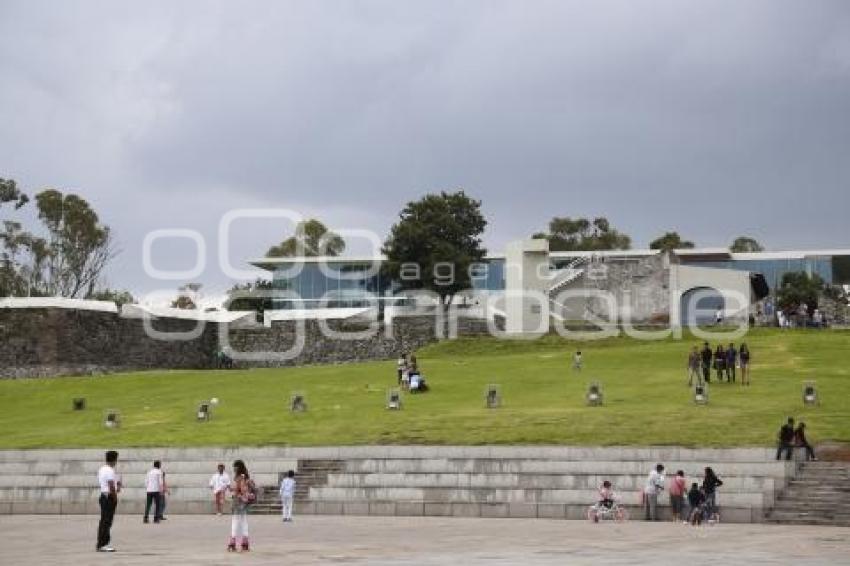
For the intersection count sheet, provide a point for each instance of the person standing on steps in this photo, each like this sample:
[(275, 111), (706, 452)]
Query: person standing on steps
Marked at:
[(219, 484), (786, 440), (110, 487), (287, 496), (154, 492), (801, 441), (654, 486)]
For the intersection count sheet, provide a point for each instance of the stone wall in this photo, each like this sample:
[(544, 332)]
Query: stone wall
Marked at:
[(44, 342)]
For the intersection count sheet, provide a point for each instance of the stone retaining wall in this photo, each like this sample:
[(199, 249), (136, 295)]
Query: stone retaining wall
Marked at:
[(41, 342)]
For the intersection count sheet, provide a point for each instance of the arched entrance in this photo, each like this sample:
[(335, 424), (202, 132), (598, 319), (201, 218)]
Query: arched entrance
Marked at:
[(698, 306)]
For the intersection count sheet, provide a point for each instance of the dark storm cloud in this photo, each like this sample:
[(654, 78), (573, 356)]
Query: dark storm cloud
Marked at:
[(713, 118)]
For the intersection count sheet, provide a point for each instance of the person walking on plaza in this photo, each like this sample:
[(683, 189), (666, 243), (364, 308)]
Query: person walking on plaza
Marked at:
[(744, 357), (154, 488), (287, 496), (219, 484), (731, 360), (706, 362), (800, 440), (654, 486), (786, 439), (244, 494), (678, 487), (693, 367), (110, 487)]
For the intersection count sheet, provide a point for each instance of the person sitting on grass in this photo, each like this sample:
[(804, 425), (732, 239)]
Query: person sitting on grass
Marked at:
[(696, 500)]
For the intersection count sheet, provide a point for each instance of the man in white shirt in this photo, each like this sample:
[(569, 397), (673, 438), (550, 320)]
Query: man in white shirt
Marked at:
[(287, 496), (110, 485), (154, 487), (219, 484), (654, 486)]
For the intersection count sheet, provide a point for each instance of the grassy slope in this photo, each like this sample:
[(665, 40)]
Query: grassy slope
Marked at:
[(646, 399)]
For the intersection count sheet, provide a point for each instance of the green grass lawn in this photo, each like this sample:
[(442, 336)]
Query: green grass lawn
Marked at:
[(646, 400)]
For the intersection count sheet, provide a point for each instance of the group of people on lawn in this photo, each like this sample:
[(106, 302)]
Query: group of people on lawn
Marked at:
[(723, 360), (409, 376)]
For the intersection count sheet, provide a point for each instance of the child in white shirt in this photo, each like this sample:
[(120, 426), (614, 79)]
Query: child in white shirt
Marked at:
[(287, 496)]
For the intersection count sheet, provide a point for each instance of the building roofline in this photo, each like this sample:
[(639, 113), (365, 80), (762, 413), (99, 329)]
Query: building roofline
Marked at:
[(270, 263)]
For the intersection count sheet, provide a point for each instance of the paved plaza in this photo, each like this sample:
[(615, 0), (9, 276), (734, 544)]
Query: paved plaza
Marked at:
[(200, 540)]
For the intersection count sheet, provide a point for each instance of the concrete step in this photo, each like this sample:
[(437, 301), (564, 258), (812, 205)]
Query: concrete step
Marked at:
[(516, 481), (207, 467), (129, 480), (498, 496), (466, 466)]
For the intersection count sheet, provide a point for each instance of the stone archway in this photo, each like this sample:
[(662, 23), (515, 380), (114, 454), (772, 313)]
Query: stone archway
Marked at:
[(697, 306)]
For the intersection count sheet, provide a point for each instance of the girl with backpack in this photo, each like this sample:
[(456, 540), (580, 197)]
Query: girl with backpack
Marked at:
[(244, 494)]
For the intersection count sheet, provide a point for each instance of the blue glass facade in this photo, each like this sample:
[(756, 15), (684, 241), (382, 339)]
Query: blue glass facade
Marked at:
[(774, 269), (329, 285)]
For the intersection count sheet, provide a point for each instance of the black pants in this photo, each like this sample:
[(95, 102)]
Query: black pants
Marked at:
[(154, 497), (787, 448), (730, 372), (107, 513), (706, 373), (810, 452)]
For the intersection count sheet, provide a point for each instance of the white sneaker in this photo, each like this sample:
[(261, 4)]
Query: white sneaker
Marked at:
[(107, 548)]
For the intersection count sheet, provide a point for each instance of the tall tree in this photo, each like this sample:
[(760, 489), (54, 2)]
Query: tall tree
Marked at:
[(745, 244), (581, 234), (67, 260), (312, 238), (440, 235), (670, 241)]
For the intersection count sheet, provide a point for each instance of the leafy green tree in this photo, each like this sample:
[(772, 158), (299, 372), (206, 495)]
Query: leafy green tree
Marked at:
[(440, 235), (670, 241), (745, 244), (312, 238), (798, 288), (582, 234)]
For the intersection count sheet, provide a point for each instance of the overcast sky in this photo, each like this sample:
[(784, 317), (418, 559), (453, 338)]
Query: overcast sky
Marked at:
[(713, 118)]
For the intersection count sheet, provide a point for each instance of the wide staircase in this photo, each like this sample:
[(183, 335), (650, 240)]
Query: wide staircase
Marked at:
[(505, 481), (819, 495)]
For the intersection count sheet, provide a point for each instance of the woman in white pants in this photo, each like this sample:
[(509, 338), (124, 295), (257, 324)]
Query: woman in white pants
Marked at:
[(243, 495)]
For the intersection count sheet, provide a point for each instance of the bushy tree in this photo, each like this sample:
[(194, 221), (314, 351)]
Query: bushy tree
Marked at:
[(251, 296), (745, 244), (187, 296), (798, 288), (312, 238), (117, 296), (670, 241), (440, 234), (580, 234)]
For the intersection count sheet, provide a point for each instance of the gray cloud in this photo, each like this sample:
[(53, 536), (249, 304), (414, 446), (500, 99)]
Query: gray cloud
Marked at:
[(713, 118)]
